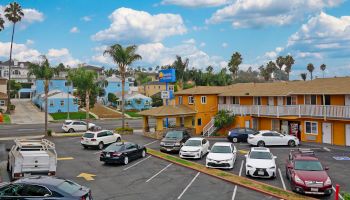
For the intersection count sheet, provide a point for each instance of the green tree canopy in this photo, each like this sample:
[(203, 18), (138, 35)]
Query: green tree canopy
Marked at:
[(223, 119)]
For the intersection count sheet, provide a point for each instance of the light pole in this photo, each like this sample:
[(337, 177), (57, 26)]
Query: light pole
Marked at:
[(68, 85)]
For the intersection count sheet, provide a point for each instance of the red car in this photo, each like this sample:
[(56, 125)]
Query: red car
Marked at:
[(306, 173)]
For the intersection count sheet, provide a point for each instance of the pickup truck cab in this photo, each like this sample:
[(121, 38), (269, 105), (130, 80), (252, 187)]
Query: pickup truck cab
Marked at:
[(30, 157)]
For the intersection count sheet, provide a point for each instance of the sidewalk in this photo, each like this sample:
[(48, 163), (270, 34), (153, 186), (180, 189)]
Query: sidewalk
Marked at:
[(329, 146), (27, 113)]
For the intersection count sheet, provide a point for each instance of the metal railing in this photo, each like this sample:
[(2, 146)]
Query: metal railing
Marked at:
[(209, 128)]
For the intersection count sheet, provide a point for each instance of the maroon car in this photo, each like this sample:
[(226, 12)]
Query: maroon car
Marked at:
[(306, 173)]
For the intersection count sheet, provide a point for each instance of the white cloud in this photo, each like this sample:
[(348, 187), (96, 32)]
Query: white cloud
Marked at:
[(202, 44), (199, 28), (190, 41), (86, 18), (74, 30), (258, 13), (224, 45), (196, 3), (30, 16), (29, 42), (140, 26), (272, 55), (62, 56), (20, 52)]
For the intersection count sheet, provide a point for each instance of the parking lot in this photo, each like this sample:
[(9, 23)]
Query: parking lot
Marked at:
[(153, 178)]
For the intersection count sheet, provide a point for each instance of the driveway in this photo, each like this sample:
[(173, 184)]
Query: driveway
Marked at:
[(27, 113)]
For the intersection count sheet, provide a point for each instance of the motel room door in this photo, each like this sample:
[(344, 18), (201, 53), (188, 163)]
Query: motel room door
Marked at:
[(327, 133), (347, 136)]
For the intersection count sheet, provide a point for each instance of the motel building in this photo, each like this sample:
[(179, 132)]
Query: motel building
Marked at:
[(315, 111)]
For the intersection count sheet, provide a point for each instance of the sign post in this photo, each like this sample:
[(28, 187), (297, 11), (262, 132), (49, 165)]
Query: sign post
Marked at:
[(167, 76)]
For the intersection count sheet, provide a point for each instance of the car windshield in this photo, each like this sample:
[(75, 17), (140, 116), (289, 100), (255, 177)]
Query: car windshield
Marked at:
[(193, 143), (174, 134), (221, 149), (67, 123), (256, 133), (306, 165), (88, 135), (69, 187), (115, 147), (260, 155)]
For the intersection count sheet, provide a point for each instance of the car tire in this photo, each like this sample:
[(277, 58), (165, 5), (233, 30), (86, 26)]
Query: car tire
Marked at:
[(247, 174), (234, 140), (143, 154), (126, 160), (8, 165), (201, 155), (85, 147), (118, 139), (261, 143), (100, 145), (71, 130), (291, 143)]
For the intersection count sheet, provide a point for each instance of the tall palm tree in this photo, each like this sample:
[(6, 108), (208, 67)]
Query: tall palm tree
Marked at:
[(14, 13), (2, 23), (310, 67), (210, 69), (280, 62), (289, 62), (180, 68), (233, 65), (303, 76), (123, 57), (271, 67), (43, 71), (323, 67)]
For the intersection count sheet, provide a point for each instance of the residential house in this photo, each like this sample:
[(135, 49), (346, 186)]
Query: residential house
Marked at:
[(98, 70), (54, 84), (154, 87), (135, 101), (58, 101), (19, 71), (3, 93), (114, 85)]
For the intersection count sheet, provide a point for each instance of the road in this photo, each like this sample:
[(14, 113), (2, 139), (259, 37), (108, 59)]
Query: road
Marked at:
[(38, 129)]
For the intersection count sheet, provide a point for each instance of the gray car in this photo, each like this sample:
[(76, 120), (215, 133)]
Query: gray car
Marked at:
[(173, 140), (44, 187)]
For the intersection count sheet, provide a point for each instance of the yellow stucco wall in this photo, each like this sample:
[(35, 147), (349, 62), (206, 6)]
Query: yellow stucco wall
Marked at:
[(338, 100), (246, 100), (339, 133)]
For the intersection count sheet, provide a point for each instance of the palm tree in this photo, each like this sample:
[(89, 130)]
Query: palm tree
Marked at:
[(323, 67), (14, 13), (210, 69), (280, 62), (233, 65), (2, 23), (180, 68), (264, 73), (123, 57), (303, 76), (289, 62), (43, 71), (271, 67), (310, 67)]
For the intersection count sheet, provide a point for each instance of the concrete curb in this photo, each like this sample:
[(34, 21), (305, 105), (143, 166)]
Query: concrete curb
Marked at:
[(77, 134), (91, 113), (224, 177), (22, 137)]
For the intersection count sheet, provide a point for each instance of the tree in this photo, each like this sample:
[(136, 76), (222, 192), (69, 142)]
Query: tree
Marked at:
[(15, 87), (271, 67), (233, 65), (303, 76), (42, 70), (280, 62), (86, 84), (14, 13), (180, 67), (223, 119), (264, 73), (289, 62), (2, 24), (60, 68), (150, 69), (123, 57), (310, 67), (323, 67), (157, 100), (157, 67), (210, 69), (112, 98), (142, 78)]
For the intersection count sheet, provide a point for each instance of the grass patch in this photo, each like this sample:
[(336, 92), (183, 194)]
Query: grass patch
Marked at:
[(133, 113), (7, 119), (72, 115)]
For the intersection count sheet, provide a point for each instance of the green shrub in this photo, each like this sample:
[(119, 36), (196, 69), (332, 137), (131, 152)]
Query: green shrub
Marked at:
[(223, 119), (346, 195), (12, 107), (125, 129), (49, 132)]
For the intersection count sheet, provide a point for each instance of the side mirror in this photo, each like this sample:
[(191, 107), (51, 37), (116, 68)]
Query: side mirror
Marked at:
[(246, 156), (290, 167), (274, 157), (326, 168), (8, 149)]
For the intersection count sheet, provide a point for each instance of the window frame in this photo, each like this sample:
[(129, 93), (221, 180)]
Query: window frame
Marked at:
[(2, 102), (180, 100), (62, 102), (257, 101), (311, 128), (52, 103), (291, 100), (205, 99), (190, 100), (308, 99), (199, 120)]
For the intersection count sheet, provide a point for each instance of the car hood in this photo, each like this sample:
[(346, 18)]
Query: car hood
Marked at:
[(190, 148), (261, 163), (83, 191), (220, 156), (170, 140), (312, 175)]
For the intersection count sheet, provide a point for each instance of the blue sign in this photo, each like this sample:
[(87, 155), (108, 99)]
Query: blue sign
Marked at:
[(167, 76), (341, 158)]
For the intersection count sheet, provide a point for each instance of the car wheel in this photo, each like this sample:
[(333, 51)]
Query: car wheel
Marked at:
[(100, 145), (118, 139), (143, 154), (85, 147), (287, 175), (234, 140), (126, 160), (71, 130), (8, 166), (201, 155), (261, 144), (291, 143)]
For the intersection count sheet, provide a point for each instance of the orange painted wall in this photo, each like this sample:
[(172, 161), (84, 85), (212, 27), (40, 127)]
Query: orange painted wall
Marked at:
[(338, 100), (338, 133), (264, 124), (300, 99), (246, 100), (239, 122), (264, 100)]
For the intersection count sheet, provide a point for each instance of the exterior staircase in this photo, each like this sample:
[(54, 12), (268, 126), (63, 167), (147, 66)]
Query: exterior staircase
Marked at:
[(209, 129)]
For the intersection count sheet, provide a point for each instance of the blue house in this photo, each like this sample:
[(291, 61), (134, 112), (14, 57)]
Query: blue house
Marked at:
[(55, 84), (115, 86), (58, 101), (136, 101)]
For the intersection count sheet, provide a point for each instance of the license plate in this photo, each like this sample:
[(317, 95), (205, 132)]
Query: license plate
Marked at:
[(260, 173), (168, 149), (314, 189), (107, 155), (26, 174)]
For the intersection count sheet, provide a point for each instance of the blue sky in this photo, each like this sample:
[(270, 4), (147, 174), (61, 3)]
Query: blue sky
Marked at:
[(205, 31)]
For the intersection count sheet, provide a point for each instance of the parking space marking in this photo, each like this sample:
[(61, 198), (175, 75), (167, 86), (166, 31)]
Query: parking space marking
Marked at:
[(183, 192), (65, 158), (284, 185), (240, 173), (97, 152), (326, 149), (136, 163), (158, 173), (339, 194), (150, 143)]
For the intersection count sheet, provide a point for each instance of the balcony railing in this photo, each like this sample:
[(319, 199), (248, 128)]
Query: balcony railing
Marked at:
[(328, 111)]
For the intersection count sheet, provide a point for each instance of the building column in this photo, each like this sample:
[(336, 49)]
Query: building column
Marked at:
[(145, 124), (159, 124)]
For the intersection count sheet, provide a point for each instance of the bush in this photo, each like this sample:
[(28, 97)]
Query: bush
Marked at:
[(49, 132), (12, 107), (223, 119), (126, 130), (346, 196)]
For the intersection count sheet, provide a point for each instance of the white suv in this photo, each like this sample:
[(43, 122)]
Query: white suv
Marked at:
[(73, 126), (99, 138)]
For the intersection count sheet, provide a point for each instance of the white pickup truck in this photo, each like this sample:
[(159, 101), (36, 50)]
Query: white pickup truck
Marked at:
[(30, 157)]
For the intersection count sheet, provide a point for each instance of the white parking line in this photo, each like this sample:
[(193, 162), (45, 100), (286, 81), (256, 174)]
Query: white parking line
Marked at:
[(284, 185), (183, 192), (339, 194), (150, 143), (97, 152), (136, 163), (326, 149), (158, 173), (240, 173)]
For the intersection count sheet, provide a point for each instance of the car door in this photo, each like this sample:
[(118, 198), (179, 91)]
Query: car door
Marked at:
[(102, 137), (267, 138), (35, 192), (131, 151), (240, 134), (248, 131), (277, 139), (82, 126), (7, 192), (110, 137)]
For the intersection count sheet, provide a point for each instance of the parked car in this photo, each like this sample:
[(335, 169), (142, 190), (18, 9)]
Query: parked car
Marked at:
[(122, 152), (74, 126), (260, 163), (173, 140), (269, 138), (44, 187), (222, 155), (28, 157), (99, 139), (306, 173), (194, 148), (239, 134)]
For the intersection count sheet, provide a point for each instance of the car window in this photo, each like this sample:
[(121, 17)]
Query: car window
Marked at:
[(69, 187), (250, 131), (267, 134), (109, 133), (67, 123), (193, 143), (102, 134), (276, 134), (260, 155), (221, 149), (117, 147), (174, 135), (306, 165), (82, 123), (241, 131), (76, 123), (88, 135), (130, 146), (10, 190), (34, 191)]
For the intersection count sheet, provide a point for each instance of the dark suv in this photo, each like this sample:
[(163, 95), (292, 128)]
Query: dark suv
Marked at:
[(173, 140), (239, 134)]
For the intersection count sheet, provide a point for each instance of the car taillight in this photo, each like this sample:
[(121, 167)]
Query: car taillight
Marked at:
[(83, 198), (114, 154), (94, 140), (82, 138)]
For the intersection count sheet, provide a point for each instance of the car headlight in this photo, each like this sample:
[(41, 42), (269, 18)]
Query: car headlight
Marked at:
[(177, 144), (328, 181), (273, 167), (228, 160), (249, 166), (162, 143), (298, 180)]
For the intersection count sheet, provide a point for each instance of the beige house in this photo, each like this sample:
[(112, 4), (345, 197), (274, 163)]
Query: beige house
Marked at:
[(154, 87), (3, 92)]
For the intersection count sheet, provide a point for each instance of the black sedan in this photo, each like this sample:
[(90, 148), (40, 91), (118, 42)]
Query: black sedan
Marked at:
[(44, 187), (122, 153)]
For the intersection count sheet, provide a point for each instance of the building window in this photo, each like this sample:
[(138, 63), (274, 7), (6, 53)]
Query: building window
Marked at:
[(75, 101), (190, 100), (310, 99), (180, 100), (276, 125), (62, 102), (234, 100), (327, 100), (128, 102), (292, 100), (199, 122), (118, 85), (257, 100), (51, 103), (311, 128), (146, 103), (204, 100), (2, 103)]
